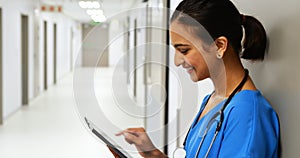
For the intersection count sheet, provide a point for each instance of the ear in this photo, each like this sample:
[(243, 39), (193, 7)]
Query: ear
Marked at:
[(221, 43)]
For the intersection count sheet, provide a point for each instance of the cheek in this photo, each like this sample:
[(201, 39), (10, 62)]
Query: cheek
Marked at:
[(196, 60), (200, 67)]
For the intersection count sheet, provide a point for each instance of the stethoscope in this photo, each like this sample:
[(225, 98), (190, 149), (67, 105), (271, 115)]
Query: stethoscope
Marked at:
[(214, 119)]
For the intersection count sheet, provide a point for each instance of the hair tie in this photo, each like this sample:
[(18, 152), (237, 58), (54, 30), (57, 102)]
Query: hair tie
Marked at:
[(243, 19)]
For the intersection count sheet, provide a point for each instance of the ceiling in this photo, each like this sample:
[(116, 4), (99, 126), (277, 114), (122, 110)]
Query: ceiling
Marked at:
[(109, 7)]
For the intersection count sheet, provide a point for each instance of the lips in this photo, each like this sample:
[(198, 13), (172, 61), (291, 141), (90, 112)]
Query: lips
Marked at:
[(190, 70)]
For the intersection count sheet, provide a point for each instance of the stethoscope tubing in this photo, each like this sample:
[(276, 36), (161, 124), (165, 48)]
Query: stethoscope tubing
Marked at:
[(221, 114), (211, 143)]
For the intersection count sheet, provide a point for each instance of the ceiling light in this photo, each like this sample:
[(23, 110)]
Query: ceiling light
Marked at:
[(82, 4), (96, 5), (98, 18), (89, 4), (90, 12)]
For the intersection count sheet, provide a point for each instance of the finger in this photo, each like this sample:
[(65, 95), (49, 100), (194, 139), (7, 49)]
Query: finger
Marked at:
[(127, 131), (120, 133), (136, 131), (130, 138), (133, 131), (140, 129), (137, 134)]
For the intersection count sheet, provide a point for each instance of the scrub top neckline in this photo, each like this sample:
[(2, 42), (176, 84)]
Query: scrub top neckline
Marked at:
[(196, 121)]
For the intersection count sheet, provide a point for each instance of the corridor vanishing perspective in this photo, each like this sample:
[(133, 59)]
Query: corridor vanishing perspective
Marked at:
[(50, 128), (113, 62)]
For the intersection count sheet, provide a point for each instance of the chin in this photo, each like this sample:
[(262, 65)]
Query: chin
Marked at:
[(194, 78)]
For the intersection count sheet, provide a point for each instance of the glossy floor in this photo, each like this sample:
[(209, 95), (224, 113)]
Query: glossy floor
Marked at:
[(49, 128)]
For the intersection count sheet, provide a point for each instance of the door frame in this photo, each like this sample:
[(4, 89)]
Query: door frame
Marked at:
[(24, 58), (1, 75), (54, 53), (45, 55), (135, 59), (167, 13)]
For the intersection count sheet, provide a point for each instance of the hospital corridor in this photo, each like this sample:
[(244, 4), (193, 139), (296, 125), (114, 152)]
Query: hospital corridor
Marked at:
[(49, 127), (75, 73)]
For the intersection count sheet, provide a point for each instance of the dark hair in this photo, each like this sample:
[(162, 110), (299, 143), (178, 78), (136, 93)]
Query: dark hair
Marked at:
[(221, 18)]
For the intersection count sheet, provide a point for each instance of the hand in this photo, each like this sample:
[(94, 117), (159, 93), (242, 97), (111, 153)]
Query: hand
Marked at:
[(142, 142)]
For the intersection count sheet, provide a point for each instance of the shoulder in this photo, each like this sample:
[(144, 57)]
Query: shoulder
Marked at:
[(250, 110), (251, 122), (250, 102)]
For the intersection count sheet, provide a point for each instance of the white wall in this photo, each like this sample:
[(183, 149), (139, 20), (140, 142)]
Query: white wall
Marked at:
[(116, 42), (65, 26), (12, 10), (278, 76), (77, 43)]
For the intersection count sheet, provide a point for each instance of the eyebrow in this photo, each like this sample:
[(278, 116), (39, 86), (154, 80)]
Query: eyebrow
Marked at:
[(178, 45)]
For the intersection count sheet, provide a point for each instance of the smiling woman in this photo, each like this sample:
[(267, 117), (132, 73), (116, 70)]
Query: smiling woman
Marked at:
[(217, 57)]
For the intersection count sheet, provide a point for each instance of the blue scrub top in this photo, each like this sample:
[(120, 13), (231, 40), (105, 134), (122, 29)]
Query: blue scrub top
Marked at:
[(250, 129)]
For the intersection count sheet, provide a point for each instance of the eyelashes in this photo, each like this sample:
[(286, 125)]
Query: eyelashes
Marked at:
[(183, 51)]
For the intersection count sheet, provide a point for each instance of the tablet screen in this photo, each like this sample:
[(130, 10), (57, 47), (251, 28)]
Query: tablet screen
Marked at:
[(100, 134)]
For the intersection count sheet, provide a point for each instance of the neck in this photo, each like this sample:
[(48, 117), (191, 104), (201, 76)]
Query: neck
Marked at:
[(227, 80)]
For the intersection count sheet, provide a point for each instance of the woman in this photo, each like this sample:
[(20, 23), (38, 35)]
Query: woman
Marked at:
[(249, 126)]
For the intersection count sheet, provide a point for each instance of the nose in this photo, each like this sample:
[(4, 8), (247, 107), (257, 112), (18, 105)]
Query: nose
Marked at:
[(178, 59)]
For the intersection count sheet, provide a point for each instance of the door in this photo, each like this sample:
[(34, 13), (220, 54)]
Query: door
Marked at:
[(54, 53), (45, 56), (1, 76), (135, 59), (93, 42), (24, 56)]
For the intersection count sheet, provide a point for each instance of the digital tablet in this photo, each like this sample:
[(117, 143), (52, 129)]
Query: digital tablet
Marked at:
[(104, 138)]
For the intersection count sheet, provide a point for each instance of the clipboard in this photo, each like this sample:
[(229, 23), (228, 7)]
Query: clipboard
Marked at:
[(104, 138)]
